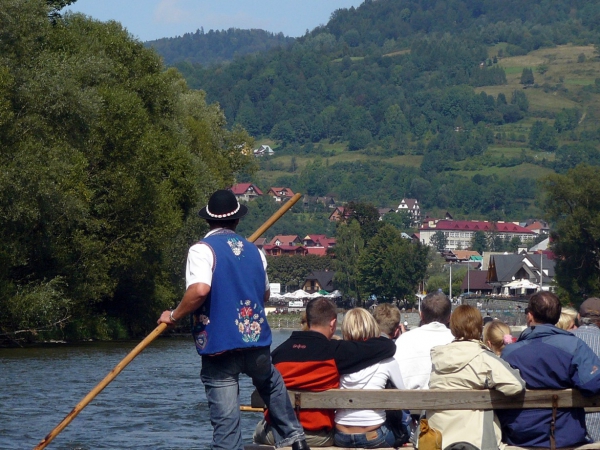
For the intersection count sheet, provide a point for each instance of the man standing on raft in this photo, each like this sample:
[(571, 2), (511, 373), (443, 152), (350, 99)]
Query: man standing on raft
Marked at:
[(227, 287)]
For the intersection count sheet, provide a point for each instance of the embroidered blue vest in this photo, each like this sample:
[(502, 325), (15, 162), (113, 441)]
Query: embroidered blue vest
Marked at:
[(232, 316)]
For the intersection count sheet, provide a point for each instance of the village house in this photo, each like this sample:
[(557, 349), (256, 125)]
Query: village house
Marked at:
[(459, 233), (319, 280), (411, 206), (539, 227), (280, 194), (285, 245), (520, 274), (339, 213), (318, 244), (245, 191)]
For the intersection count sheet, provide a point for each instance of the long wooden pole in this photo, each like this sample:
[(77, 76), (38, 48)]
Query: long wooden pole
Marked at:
[(142, 345)]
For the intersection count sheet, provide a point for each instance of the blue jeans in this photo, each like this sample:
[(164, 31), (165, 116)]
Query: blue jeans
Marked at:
[(220, 375), (373, 439)]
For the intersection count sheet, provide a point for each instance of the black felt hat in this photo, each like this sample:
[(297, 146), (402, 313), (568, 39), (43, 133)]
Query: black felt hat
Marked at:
[(223, 205)]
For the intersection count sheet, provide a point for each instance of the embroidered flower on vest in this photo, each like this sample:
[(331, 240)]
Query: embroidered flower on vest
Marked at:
[(249, 321), (236, 245)]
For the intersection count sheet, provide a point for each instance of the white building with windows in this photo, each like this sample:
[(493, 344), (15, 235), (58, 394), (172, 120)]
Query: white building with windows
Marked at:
[(459, 233)]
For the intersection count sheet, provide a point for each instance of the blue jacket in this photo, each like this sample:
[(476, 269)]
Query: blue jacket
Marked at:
[(550, 358)]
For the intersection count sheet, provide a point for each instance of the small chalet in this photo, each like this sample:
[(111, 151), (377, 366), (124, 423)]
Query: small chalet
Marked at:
[(520, 274), (411, 205), (282, 239), (339, 213), (539, 227), (318, 244), (319, 280), (263, 150), (245, 191), (280, 194)]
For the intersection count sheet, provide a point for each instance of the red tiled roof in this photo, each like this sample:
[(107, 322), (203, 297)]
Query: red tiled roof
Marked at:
[(477, 225), (410, 202), (241, 188), (285, 239), (321, 251), (281, 191), (536, 226)]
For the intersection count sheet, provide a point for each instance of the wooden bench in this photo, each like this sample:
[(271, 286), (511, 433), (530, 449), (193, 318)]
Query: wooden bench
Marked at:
[(437, 399)]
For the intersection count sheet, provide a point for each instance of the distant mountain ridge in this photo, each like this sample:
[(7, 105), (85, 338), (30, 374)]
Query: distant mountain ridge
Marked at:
[(216, 46), (431, 89)]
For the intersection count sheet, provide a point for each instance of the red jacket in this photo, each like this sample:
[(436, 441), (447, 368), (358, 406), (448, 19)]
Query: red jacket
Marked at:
[(311, 362)]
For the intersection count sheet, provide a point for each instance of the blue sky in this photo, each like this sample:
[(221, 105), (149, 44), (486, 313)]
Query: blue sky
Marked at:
[(154, 19)]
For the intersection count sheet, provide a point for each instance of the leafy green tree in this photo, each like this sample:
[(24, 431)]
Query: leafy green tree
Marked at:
[(479, 242), (572, 204), (105, 156), (291, 271), (348, 248), (439, 240), (367, 216), (401, 219), (391, 266)]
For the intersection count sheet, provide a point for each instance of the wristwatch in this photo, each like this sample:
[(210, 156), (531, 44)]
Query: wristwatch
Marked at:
[(171, 317)]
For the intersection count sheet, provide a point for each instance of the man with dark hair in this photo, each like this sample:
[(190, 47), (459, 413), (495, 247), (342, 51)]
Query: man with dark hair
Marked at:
[(227, 286), (413, 348), (312, 361), (549, 358), (589, 332)]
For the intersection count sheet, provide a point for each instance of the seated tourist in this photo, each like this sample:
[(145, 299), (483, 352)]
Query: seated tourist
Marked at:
[(568, 319), (549, 358), (466, 363), (313, 361), (399, 422), (496, 335), (365, 428)]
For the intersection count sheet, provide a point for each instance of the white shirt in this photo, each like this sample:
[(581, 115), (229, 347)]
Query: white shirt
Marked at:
[(413, 353), (372, 377), (200, 262)]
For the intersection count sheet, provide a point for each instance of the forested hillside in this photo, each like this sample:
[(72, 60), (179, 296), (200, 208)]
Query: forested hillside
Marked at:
[(216, 46), (441, 101)]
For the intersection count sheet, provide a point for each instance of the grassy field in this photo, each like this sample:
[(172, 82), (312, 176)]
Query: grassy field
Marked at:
[(559, 79)]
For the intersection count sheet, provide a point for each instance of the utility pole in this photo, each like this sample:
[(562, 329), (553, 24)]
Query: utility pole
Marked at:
[(450, 281)]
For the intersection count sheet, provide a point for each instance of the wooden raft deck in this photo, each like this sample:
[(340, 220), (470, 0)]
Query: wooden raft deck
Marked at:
[(436, 399)]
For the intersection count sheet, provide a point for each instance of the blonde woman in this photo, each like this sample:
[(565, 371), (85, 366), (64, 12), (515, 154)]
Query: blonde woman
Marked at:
[(496, 335), (568, 319), (466, 363), (365, 428)]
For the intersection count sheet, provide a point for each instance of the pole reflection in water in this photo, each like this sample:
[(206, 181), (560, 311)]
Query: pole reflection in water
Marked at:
[(157, 402)]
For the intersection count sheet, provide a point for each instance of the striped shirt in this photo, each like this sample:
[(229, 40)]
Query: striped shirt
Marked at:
[(590, 334)]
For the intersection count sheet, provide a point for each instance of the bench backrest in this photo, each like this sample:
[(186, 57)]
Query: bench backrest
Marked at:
[(441, 399)]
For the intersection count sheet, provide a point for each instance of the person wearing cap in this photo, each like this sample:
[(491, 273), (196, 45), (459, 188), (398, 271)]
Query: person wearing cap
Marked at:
[(226, 289), (589, 332), (549, 358)]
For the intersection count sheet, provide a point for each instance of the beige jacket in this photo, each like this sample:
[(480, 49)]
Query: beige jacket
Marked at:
[(470, 365)]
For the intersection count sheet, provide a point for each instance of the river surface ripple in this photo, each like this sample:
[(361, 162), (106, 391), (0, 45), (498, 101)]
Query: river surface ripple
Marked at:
[(157, 402)]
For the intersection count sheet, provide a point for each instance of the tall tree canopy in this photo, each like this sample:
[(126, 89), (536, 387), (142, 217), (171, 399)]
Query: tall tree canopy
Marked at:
[(572, 204), (392, 266), (104, 157)]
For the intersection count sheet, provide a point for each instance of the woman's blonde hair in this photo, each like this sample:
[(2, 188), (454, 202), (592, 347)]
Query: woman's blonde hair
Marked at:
[(359, 324), (466, 322), (497, 334), (567, 319)]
